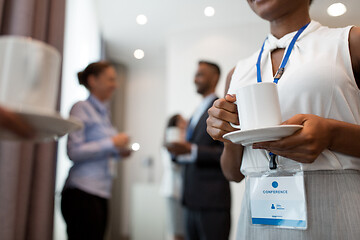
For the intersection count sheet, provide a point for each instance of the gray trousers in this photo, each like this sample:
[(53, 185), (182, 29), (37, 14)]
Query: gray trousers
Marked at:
[(207, 224)]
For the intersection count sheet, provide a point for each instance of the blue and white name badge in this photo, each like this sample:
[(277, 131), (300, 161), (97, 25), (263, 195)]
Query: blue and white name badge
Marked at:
[(278, 201)]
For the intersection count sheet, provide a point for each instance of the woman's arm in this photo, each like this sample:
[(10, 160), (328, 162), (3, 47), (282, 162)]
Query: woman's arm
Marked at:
[(317, 135), (221, 113), (79, 148), (354, 46)]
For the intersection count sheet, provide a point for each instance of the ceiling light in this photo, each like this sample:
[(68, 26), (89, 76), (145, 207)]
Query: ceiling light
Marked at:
[(139, 54), (135, 147), (209, 11), (336, 9), (141, 19)]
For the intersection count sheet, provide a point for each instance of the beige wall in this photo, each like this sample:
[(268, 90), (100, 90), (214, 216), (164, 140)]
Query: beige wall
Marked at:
[(143, 119)]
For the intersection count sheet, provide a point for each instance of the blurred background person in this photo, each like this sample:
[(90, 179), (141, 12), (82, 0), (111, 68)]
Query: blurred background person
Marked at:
[(171, 185), (93, 150), (206, 192)]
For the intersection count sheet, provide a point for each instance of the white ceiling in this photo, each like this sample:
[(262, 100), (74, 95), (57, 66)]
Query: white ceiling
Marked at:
[(123, 35)]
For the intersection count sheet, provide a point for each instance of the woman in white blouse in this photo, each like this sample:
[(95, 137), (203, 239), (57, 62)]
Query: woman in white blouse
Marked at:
[(319, 90)]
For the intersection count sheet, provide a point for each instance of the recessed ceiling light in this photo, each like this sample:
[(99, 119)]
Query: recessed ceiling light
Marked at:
[(135, 147), (209, 11), (336, 9), (139, 54), (141, 19)]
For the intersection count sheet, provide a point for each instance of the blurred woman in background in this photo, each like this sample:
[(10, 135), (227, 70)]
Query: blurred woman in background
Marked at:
[(93, 150)]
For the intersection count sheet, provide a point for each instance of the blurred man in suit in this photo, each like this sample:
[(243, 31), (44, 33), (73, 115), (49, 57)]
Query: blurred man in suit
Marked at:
[(206, 192)]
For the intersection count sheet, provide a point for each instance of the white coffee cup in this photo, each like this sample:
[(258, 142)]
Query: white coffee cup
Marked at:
[(173, 134), (29, 75), (258, 106)]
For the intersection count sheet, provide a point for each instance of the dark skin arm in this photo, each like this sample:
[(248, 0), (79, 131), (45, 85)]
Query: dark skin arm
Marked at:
[(221, 113), (319, 133), (207, 156), (125, 153), (179, 148), (15, 124), (354, 41)]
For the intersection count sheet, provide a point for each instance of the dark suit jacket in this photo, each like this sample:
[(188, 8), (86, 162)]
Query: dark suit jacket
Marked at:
[(204, 185)]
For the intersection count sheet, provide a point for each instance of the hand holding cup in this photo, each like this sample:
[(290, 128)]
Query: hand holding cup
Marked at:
[(121, 140), (221, 114)]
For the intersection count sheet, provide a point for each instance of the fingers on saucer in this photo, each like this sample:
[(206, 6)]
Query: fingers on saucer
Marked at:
[(298, 119), (17, 125), (283, 144)]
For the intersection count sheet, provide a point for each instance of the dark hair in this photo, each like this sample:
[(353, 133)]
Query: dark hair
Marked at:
[(173, 120), (94, 68), (211, 64)]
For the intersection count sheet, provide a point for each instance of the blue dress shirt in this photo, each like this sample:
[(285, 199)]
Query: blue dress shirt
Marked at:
[(91, 149)]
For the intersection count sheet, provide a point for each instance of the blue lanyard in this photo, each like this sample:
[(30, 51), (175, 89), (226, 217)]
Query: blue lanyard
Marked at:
[(281, 69), (279, 73)]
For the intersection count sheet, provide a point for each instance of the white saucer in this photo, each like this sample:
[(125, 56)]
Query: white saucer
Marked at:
[(47, 126), (248, 137)]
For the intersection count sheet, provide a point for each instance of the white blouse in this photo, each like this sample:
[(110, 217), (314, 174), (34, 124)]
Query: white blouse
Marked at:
[(318, 79)]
